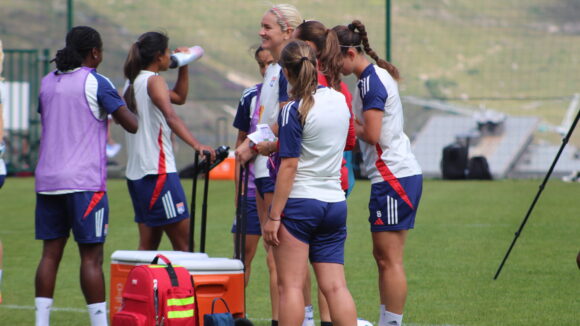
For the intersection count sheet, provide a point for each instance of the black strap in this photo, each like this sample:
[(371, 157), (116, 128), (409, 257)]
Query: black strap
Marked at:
[(222, 300), (169, 268)]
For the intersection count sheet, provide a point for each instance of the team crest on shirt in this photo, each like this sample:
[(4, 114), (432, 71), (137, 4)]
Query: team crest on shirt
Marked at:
[(180, 208), (273, 80)]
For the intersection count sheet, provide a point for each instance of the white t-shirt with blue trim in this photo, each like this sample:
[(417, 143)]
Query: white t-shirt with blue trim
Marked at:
[(376, 89), (274, 91), (318, 144)]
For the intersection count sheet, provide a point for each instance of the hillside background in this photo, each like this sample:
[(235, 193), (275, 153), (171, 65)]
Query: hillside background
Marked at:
[(517, 56)]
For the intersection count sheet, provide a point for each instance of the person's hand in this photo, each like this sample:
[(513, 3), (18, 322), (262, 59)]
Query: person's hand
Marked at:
[(358, 127), (244, 153), (2, 148), (183, 49), (265, 147), (270, 231), (201, 148)]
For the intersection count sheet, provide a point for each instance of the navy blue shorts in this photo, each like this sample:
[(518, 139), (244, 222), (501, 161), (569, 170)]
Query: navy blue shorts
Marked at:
[(86, 213), (253, 221), (2, 178), (264, 185), (319, 224), (393, 206), (158, 199)]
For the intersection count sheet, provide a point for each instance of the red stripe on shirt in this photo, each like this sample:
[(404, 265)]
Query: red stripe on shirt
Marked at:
[(161, 170), (389, 177), (97, 196)]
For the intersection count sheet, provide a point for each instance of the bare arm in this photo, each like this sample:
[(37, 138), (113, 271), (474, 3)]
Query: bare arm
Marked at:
[(157, 89), (370, 131), (284, 183), (127, 119), (179, 93)]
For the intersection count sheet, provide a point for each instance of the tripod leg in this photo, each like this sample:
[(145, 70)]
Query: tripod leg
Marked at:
[(519, 231)]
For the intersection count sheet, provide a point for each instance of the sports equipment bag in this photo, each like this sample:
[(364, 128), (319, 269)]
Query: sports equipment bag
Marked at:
[(454, 161), (158, 295), (478, 169)]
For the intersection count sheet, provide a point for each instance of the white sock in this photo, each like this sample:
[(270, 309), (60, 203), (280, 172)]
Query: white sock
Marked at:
[(43, 306), (98, 313), (382, 315), (308, 316), (392, 319)]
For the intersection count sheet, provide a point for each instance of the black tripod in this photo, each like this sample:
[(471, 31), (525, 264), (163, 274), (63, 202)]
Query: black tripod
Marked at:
[(519, 231)]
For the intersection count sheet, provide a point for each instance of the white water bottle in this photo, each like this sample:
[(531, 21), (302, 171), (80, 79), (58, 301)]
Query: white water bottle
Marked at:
[(179, 59)]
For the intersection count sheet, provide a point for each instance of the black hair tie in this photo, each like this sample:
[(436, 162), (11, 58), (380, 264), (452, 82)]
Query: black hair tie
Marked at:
[(303, 59), (351, 27)]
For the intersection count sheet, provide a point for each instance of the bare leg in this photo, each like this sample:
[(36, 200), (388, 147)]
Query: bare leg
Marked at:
[(323, 307), (48, 267), (388, 252), (252, 241), (332, 283), (149, 237), (262, 213), (178, 234), (92, 277), (306, 291), (292, 263)]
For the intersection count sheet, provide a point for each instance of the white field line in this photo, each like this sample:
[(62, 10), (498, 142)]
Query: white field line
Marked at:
[(80, 310)]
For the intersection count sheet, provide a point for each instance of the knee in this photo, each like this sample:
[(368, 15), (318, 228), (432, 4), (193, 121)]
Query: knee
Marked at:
[(332, 289), (386, 261)]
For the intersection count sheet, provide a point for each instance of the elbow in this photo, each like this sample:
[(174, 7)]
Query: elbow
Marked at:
[(179, 101), (372, 140), (132, 128)]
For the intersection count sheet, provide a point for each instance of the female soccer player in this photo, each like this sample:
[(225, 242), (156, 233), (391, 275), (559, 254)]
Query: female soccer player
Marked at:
[(158, 198), (71, 171), (245, 121), (394, 172), (277, 26), (308, 199), (325, 44)]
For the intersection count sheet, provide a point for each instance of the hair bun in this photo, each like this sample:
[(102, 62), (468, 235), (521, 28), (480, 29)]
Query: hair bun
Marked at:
[(351, 27)]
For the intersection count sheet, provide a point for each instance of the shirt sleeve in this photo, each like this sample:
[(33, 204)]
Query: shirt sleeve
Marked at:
[(107, 96), (242, 119), (373, 93), (290, 132), (282, 88)]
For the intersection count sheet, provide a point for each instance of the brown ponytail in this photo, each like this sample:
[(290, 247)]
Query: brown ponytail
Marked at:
[(356, 24), (131, 69), (141, 54), (299, 60), (327, 49)]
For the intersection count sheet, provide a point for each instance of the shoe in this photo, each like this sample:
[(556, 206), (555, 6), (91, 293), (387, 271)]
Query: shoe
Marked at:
[(113, 149), (572, 177)]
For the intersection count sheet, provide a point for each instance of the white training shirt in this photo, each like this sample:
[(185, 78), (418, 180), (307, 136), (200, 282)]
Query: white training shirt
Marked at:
[(149, 150), (318, 144), (391, 158), (274, 91)]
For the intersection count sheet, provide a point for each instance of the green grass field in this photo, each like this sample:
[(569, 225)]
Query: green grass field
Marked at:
[(462, 231)]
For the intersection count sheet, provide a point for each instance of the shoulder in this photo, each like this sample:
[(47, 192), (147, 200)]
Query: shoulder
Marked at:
[(289, 112), (101, 80), (250, 92)]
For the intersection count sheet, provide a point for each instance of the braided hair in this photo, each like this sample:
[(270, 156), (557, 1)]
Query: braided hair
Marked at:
[(355, 35), (80, 41)]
